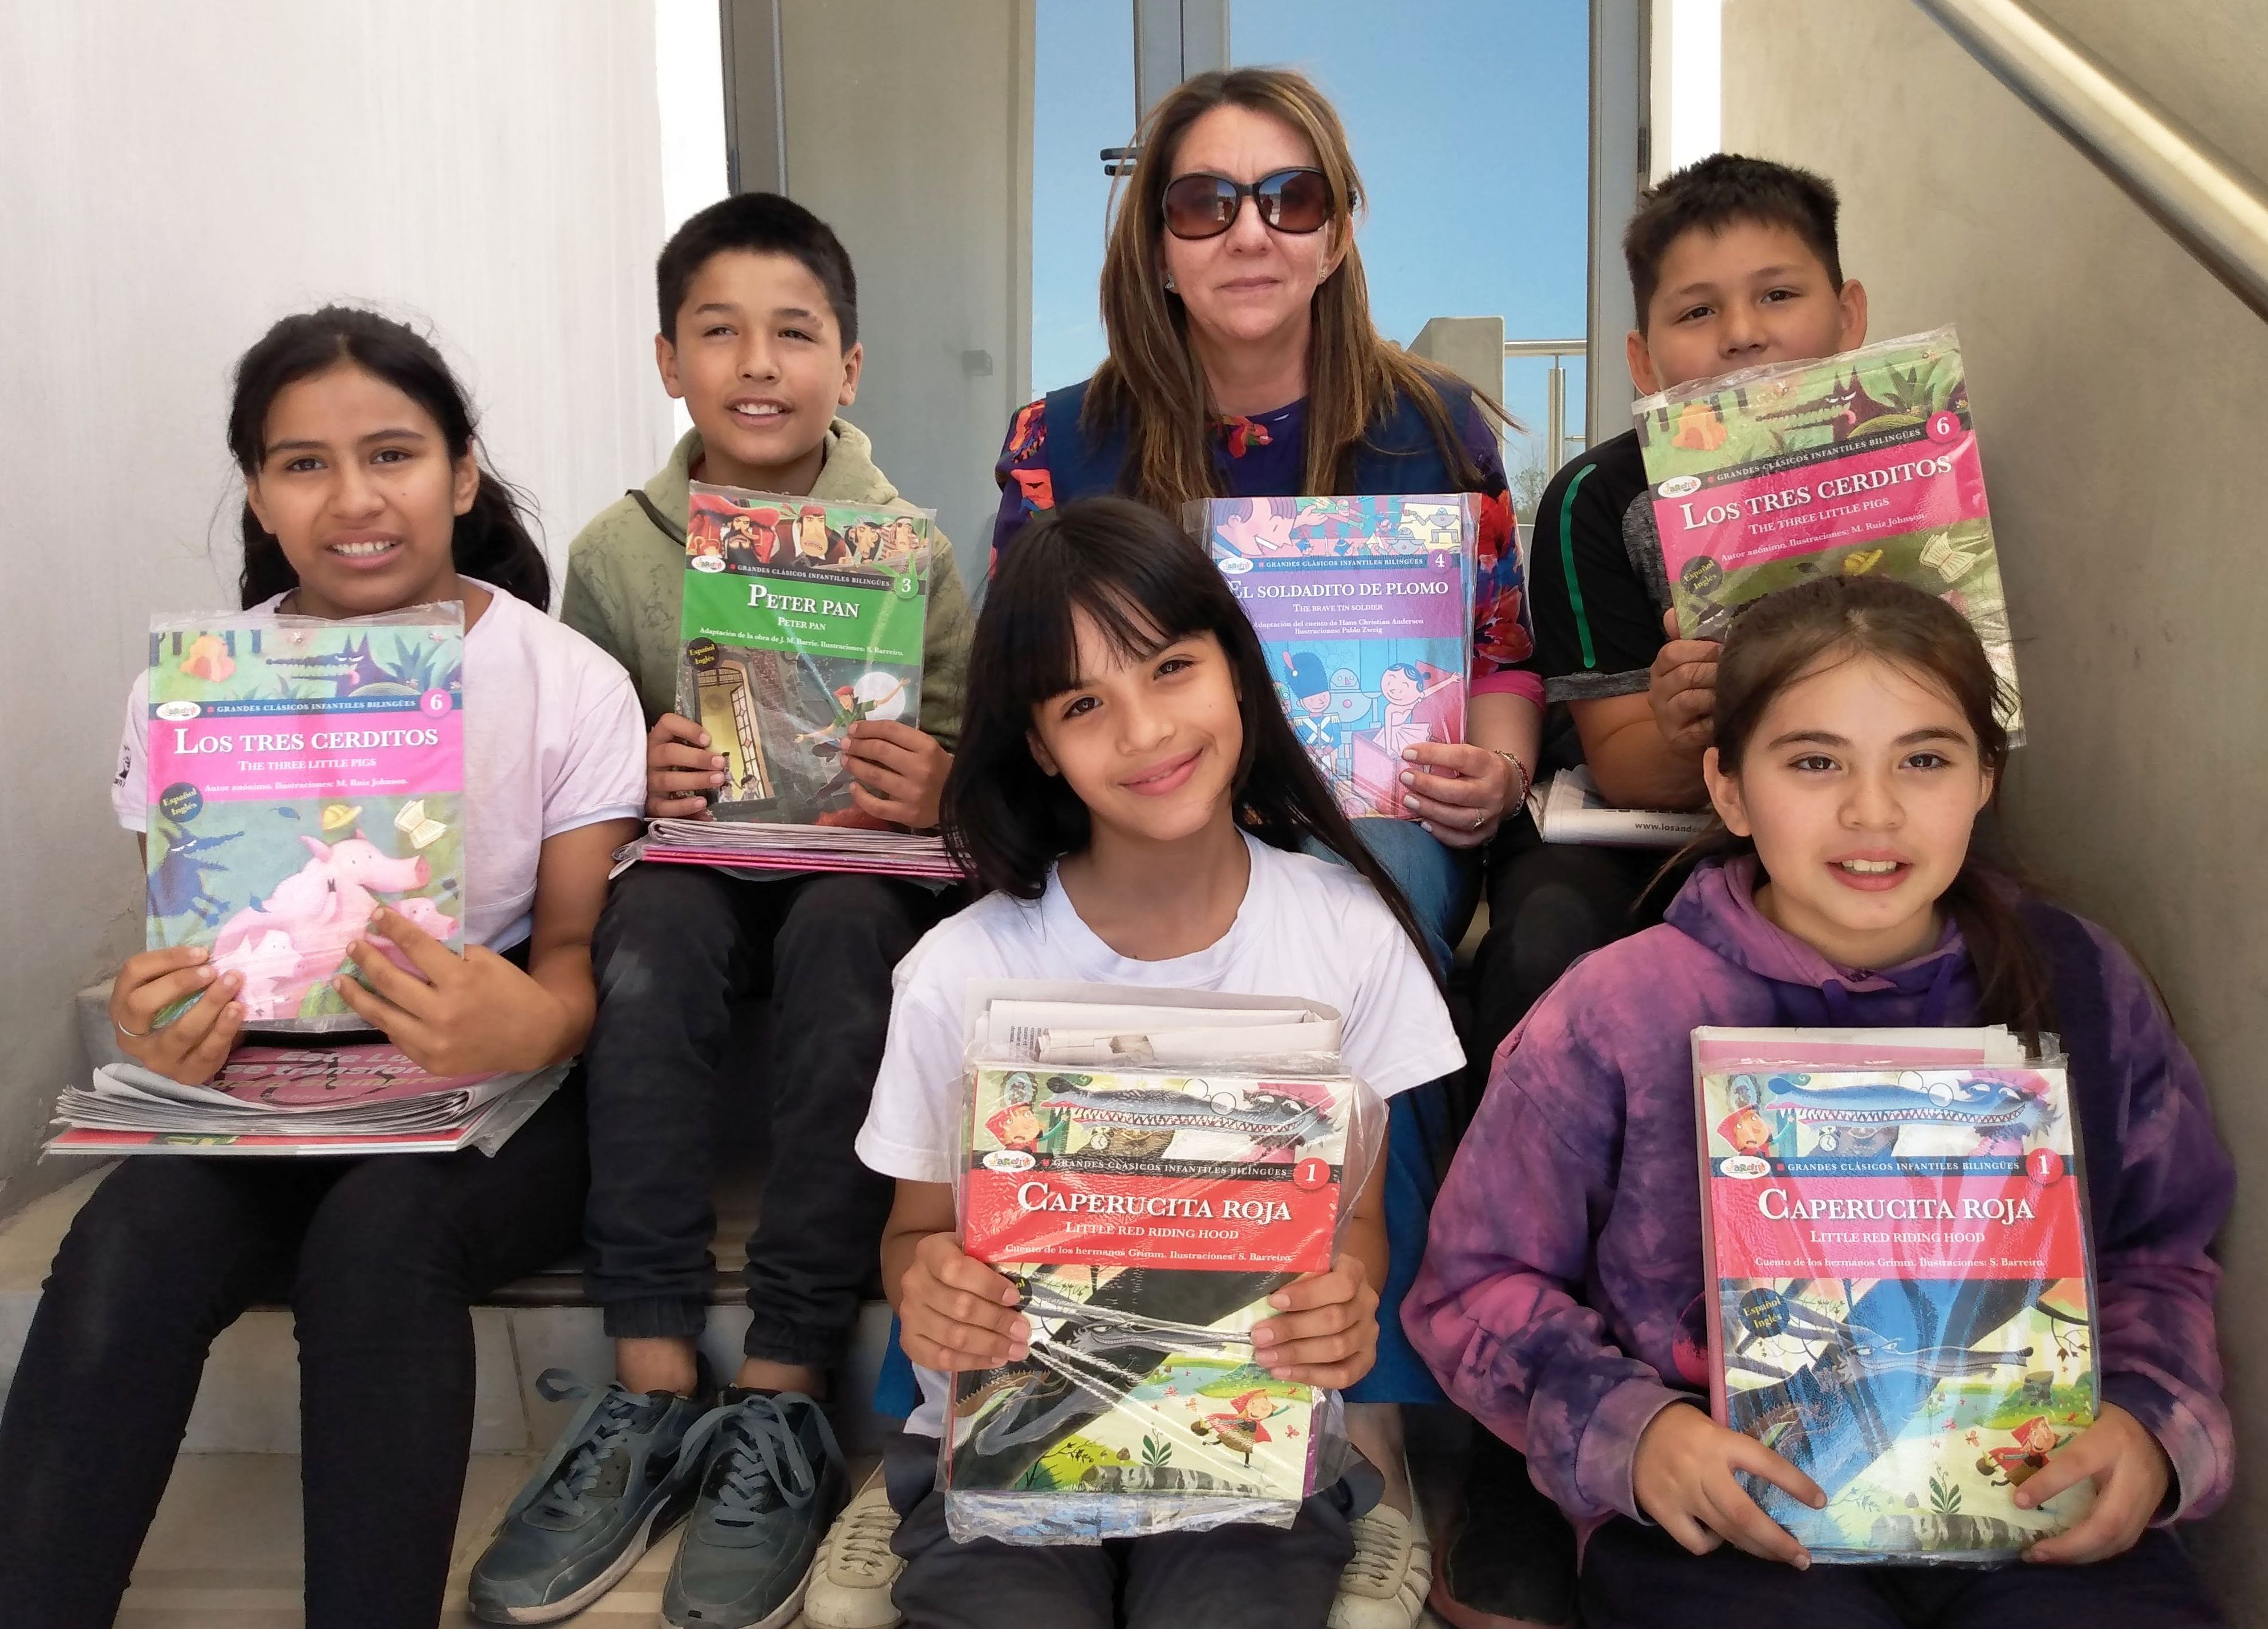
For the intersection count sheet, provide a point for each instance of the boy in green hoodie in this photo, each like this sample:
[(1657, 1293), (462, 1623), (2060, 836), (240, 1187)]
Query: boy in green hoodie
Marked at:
[(759, 339)]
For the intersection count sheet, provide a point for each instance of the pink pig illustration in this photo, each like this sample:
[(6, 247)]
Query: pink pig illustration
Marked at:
[(317, 911)]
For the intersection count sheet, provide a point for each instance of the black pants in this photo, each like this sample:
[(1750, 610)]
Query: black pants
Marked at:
[(1549, 903), (380, 1259), (1636, 1576), (1235, 1577), (676, 946)]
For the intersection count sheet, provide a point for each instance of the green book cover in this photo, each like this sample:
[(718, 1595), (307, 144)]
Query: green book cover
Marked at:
[(1861, 463), (801, 618)]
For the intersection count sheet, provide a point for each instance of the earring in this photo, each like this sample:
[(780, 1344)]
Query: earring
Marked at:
[(1171, 286)]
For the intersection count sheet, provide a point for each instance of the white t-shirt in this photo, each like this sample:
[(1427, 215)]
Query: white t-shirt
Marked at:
[(1307, 927), (554, 740)]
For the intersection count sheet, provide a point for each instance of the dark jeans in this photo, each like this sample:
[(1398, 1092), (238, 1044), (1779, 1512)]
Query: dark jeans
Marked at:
[(1235, 1577), (1549, 903), (1635, 1575), (380, 1259), (676, 947)]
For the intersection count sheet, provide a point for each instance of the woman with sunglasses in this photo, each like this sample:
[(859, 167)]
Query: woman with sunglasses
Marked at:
[(1244, 363)]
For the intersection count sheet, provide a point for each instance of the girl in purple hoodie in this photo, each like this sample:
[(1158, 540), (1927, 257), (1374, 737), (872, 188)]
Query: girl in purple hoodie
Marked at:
[(1560, 1302)]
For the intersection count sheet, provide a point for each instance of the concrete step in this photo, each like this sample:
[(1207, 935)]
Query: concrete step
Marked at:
[(249, 1403)]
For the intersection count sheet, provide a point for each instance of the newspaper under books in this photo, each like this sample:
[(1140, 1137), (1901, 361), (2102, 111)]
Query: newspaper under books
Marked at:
[(788, 849), (1148, 1166), (1567, 808), (1901, 1294), (355, 1099)]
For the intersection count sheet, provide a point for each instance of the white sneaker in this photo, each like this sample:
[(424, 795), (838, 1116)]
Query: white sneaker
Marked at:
[(854, 1570), (1384, 1586)]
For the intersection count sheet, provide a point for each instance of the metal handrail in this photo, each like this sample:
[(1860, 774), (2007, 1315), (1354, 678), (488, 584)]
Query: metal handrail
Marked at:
[(1555, 391), (2216, 211)]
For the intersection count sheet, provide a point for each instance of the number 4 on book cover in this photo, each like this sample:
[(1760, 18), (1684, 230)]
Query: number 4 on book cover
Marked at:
[(1901, 1299)]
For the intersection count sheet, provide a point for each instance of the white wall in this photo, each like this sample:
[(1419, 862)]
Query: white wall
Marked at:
[(2117, 386), (172, 178)]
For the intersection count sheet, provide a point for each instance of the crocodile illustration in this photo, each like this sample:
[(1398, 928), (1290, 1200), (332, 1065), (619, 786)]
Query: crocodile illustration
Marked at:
[(1870, 1119), (1117, 1117)]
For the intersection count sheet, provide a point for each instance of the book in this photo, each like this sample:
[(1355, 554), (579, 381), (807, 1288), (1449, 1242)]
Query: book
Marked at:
[(1146, 1210), (1145, 1215), (1901, 1299), (800, 619), (1567, 808), (1861, 463), (358, 1099), (1364, 608), (303, 773), (788, 850)]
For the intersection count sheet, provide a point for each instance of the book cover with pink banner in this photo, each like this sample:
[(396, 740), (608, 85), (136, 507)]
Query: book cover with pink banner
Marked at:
[(1861, 463), (1901, 1299), (302, 773)]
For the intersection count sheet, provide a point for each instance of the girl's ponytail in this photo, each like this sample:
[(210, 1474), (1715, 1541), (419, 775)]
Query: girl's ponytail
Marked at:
[(1779, 638), (491, 541)]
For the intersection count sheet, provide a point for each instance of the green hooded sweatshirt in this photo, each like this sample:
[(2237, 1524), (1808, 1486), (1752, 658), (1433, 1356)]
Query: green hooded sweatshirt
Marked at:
[(625, 581)]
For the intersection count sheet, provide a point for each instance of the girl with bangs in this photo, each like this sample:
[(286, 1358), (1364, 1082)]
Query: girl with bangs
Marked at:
[(1133, 797), (1244, 363)]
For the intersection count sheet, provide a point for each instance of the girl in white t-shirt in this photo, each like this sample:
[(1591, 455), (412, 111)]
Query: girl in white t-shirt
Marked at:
[(363, 493), (1131, 792)]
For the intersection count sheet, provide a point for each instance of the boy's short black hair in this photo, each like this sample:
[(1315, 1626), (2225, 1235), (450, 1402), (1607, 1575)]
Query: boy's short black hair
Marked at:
[(760, 224), (1713, 194)]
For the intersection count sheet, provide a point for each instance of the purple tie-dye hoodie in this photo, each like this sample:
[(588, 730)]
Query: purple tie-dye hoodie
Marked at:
[(1560, 1298)]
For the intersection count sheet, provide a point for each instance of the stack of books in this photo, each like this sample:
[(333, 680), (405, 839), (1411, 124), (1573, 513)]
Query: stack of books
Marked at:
[(762, 846), (1147, 1167), (338, 1100)]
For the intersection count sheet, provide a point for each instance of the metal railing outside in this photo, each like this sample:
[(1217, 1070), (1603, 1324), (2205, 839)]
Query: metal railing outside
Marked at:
[(2216, 210), (1555, 438)]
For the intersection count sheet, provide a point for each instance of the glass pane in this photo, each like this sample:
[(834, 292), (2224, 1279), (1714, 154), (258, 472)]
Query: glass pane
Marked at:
[(1082, 102), (1475, 146)]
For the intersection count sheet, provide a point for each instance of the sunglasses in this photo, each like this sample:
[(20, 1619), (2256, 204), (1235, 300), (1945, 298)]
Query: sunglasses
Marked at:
[(1205, 206)]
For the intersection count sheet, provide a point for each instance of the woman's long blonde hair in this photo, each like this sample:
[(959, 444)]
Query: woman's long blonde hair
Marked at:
[(1151, 382)]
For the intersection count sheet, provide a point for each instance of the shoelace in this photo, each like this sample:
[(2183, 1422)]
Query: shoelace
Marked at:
[(862, 1543), (761, 1450), (1377, 1559), (559, 1484)]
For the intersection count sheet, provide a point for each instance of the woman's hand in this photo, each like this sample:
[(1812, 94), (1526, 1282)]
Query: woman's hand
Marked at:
[(192, 1048), (679, 767), (1682, 1477), (1325, 1332), (2131, 1472), (897, 772), (1464, 806), (455, 1015), (956, 1313)]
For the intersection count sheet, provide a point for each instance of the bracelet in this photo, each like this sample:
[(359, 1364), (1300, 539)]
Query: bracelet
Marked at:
[(1527, 781)]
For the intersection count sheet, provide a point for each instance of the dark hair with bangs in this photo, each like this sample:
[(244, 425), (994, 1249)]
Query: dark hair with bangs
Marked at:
[(1781, 637), (1145, 585), (756, 223), (1713, 194)]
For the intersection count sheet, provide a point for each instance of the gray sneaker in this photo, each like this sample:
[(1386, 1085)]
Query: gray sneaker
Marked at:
[(617, 1478), (771, 1479)]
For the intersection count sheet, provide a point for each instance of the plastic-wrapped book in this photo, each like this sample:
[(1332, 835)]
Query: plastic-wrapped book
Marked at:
[(1903, 1301)]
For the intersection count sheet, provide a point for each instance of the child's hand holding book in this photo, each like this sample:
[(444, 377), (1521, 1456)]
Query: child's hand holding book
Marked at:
[(2131, 1474), (191, 1048), (897, 772), (1682, 1476), (680, 769), (1325, 1332), (956, 1313)]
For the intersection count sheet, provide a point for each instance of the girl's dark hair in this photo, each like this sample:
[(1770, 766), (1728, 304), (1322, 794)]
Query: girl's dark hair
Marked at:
[(1783, 636), (491, 541), (1143, 585)]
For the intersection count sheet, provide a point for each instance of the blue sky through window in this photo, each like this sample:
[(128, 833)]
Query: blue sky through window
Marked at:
[(1469, 119)]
